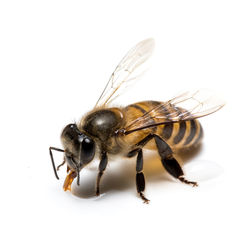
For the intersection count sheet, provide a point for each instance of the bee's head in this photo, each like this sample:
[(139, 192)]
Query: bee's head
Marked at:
[(79, 148)]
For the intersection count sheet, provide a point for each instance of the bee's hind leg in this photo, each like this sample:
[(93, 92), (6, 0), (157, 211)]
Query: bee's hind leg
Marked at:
[(169, 162)]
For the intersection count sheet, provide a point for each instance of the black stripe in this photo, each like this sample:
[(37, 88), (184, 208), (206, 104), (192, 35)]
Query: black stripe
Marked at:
[(199, 136), (138, 107), (167, 130), (193, 129), (154, 103), (181, 132)]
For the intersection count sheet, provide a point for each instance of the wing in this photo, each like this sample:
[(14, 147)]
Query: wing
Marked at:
[(126, 71), (187, 106)]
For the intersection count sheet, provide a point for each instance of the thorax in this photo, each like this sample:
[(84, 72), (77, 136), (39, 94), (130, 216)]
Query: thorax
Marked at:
[(101, 124)]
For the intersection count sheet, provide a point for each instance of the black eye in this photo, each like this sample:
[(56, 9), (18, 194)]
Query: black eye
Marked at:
[(87, 150), (70, 131), (80, 146)]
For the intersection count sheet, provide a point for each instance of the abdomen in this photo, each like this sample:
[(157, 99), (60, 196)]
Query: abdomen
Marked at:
[(178, 135)]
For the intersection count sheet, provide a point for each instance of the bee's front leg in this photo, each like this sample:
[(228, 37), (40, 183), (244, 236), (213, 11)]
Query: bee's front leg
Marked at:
[(68, 180), (102, 166)]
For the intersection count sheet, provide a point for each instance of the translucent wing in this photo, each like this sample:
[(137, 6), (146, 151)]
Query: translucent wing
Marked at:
[(187, 106), (126, 71)]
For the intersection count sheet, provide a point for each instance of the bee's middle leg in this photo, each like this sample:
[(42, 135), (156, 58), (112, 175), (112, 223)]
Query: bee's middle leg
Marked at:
[(140, 180)]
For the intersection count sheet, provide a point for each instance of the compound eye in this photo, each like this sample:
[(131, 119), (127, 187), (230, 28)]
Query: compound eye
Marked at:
[(88, 150), (72, 128), (70, 131)]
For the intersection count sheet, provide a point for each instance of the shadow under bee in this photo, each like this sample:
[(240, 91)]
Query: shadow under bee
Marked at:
[(121, 177)]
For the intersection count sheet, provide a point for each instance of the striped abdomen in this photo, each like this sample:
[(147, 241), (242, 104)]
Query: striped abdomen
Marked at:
[(178, 135)]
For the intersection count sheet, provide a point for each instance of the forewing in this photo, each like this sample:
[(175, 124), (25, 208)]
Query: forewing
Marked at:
[(187, 106), (126, 71)]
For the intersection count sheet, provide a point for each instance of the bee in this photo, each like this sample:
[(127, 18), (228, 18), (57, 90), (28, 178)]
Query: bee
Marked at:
[(165, 127)]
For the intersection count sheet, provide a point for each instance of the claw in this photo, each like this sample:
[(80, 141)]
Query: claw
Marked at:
[(145, 200), (193, 183)]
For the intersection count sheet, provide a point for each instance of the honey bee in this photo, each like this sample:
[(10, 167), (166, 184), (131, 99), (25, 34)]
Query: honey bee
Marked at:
[(109, 130)]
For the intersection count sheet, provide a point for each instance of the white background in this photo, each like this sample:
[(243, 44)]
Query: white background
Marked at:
[(55, 58)]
